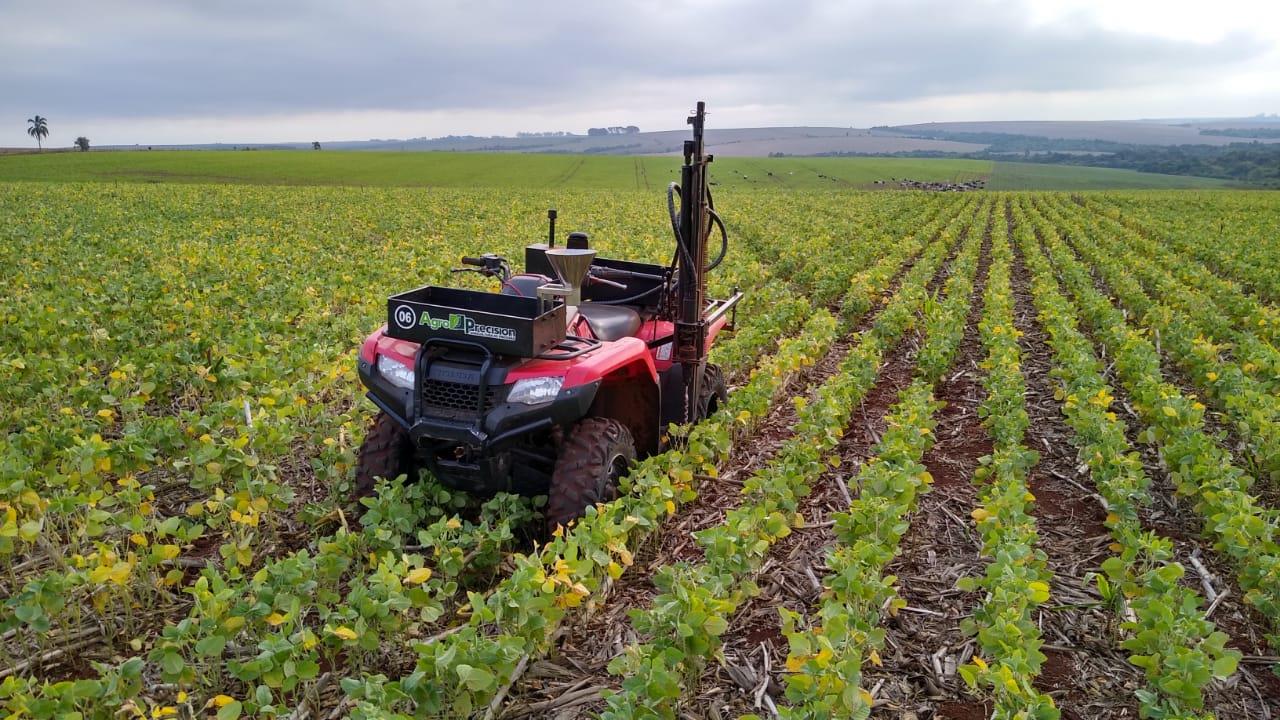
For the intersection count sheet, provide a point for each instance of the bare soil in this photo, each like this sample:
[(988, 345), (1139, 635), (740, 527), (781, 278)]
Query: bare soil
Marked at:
[(1085, 671), (923, 643)]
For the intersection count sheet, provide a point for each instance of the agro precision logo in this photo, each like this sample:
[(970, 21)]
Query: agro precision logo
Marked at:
[(406, 318)]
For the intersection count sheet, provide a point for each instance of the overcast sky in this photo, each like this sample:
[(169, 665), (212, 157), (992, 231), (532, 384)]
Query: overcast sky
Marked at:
[(279, 70)]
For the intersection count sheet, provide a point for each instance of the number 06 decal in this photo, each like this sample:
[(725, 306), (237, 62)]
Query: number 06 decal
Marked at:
[(405, 317)]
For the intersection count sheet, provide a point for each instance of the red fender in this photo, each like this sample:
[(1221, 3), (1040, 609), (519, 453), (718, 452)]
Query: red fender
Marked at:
[(621, 359)]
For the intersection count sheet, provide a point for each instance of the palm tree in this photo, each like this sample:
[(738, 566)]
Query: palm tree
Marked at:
[(82, 142), (39, 130)]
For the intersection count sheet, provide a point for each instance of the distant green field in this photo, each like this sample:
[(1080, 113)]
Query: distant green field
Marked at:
[(470, 169), (1036, 176), (529, 171)]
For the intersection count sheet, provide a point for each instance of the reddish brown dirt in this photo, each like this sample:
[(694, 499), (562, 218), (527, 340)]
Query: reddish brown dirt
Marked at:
[(938, 549), (964, 710), (1254, 691), (1084, 671), (791, 575)]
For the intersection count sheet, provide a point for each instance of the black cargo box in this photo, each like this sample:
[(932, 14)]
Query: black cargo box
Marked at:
[(505, 324)]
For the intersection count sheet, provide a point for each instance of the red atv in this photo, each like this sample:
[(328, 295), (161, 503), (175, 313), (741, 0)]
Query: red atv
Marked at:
[(558, 381)]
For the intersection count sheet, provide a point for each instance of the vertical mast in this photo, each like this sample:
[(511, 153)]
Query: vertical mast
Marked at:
[(691, 330)]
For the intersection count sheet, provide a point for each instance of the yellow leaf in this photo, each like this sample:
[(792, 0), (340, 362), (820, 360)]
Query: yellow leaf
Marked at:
[(138, 539), (571, 600), (221, 700), (1212, 376), (866, 697), (453, 523), (1112, 518), (794, 663), (418, 576), (167, 552), (1169, 411), (895, 605), (106, 413), (344, 632), (614, 570), (979, 662), (874, 657), (182, 696), (275, 619), (1115, 547), (670, 507), (980, 514), (1039, 590), (164, 712)]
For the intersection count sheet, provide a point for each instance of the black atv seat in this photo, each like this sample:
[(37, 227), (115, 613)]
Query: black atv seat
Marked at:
[(610, 322)]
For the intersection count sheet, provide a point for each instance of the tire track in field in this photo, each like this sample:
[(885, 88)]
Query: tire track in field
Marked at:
[(1254, 691), (576, 681), (1085, 672), (567, 175)]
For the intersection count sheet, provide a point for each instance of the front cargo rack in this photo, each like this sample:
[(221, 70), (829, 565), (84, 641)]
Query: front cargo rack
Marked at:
[(502, 324)]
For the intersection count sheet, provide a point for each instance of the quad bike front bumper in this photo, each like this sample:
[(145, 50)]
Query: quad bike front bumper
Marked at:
[(472, 450)]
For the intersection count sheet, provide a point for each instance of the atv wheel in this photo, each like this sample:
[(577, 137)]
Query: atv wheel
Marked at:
[(593, 458), (386, 452), (711, 394)]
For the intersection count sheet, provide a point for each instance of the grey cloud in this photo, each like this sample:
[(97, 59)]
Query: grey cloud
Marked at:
[(234, 58)]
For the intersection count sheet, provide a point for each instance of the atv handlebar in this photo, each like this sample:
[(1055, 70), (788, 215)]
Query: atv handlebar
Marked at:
[(489, 265)]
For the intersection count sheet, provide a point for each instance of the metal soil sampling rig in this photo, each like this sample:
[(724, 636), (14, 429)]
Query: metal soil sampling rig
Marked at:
[(556, 383)]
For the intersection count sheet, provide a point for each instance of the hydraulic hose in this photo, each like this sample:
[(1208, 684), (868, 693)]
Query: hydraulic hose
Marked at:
[(724, 240), (674, 188)]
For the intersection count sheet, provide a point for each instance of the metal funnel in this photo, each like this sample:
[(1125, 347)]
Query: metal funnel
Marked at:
[(571, 267)]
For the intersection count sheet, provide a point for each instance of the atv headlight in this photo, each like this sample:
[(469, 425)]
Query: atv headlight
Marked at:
[(396, 372), (532, 391)]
